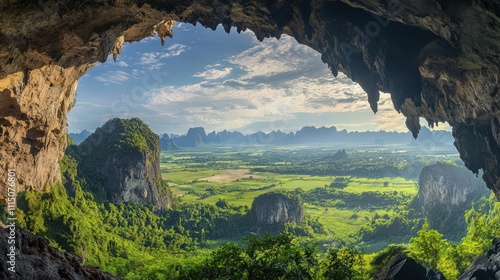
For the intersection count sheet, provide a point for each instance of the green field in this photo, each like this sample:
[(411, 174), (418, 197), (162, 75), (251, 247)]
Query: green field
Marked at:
[(386, 184), (208, 176)]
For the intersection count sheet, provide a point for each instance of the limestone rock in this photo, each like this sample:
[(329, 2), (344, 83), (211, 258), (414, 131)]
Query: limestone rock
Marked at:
[(277, 208), (445, 193), (121, 162), (402, 267), (447, 186), (36, 259)]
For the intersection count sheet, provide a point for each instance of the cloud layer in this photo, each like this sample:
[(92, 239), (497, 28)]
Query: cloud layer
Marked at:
[(153, 59), (276, 81), (113, 77)]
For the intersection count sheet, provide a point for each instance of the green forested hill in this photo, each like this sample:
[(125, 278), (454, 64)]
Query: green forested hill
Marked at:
[(120, 162)]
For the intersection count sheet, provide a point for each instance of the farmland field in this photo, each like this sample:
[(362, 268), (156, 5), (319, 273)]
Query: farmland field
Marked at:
[(237, 176)]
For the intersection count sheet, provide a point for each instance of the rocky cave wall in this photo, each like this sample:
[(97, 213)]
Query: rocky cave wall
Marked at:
[(439, 59)]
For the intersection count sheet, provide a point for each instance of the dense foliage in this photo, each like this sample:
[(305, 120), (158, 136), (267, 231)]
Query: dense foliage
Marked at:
[(123, 238), (404, 223), (131, 241), (203, 222), (332, 197)]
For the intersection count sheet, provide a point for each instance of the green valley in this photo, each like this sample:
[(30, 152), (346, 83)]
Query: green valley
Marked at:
[(256, 212), (238, 175)]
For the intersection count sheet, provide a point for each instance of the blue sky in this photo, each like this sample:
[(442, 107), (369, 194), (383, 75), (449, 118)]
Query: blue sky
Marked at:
[(223, 81)]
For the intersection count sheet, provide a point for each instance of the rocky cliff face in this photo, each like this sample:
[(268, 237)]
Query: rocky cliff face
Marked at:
[(33, 108), (121, 162), (447, 186), (277, 208), (445, 193), (35, 259), (438, 60), (405, 268)]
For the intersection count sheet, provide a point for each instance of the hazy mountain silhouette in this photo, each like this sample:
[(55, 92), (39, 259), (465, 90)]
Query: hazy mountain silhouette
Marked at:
[(311, 135), (80, 137), (167, 144), (307, 135)]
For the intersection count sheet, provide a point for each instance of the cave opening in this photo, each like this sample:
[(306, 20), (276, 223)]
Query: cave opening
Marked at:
[(438, 61), (226, 81), (267, 83), (233, 82)]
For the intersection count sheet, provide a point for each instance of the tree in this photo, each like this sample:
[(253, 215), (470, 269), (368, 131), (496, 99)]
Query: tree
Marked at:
[(281, 257), (222, 203), (229, 261), (428, 246), (341, 264)]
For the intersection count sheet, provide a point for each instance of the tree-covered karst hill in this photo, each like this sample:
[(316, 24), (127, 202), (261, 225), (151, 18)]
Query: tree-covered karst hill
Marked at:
[(277, 208), (446, 191), (120, 163)]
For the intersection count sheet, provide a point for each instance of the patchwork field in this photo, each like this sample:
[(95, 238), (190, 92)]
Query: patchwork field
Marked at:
[(237, 177)]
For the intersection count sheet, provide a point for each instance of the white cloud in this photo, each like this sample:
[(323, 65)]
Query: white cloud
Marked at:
[(153, 59), (174, 50), (222, 105), (214, 74), (149, 58), (181, 26), (113, 77), (170, 94), (148, 39), (280, 81), (122, 63), (270, 82), (272, 57)]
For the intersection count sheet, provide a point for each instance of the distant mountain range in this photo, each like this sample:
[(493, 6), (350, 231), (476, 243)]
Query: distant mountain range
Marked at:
[(167, 144), (197, 137)]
